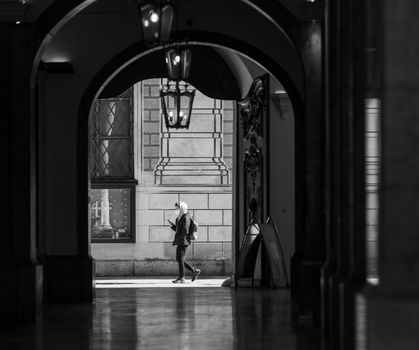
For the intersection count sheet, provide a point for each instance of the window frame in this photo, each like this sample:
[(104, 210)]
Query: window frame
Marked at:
[(118, 181), (98, 138), (131, 185)]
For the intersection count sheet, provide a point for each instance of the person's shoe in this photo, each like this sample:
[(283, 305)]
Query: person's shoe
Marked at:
[(196, 274), (179, 280)]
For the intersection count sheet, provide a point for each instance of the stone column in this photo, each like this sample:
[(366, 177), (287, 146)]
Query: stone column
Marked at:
[(68, 266), (393, 306), (344, 272), (332, 182), (309, 240), (21, 275)]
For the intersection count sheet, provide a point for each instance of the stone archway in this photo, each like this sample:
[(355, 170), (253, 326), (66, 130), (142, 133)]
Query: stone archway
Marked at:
[(306, 58), (48, 27), (130, 55)]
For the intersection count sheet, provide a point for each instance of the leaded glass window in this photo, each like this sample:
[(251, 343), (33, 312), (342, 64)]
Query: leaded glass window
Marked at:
[(111, 168), (111, 138)]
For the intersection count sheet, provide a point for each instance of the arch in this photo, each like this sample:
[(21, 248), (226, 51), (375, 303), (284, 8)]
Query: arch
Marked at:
[(138, 50), (51, 21), (209, 73), (61, 12)]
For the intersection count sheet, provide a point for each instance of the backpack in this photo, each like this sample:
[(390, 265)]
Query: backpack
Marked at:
[(193, 230)]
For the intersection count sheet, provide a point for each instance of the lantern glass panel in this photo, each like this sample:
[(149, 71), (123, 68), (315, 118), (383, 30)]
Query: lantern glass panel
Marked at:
[(167, 14), (186, 57), (149, 13), (156, 20), (178, 62), (184, 102), (171, 103), (173, 64), (184, 107)]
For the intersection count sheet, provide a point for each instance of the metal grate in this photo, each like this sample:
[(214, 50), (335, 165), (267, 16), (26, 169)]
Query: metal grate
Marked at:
[(111, 138)]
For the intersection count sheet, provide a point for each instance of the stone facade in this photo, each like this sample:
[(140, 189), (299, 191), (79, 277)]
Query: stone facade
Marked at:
[(228, 116), (194, 156), (204, 183), (157, 206), (150, 92)]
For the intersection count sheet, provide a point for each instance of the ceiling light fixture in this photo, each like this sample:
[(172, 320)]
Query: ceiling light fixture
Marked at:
[(177, 105), (178, 62), (156, 20)]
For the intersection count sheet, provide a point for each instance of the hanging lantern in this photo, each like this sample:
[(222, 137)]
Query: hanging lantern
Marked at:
[(178, 62), (177, 106), (156, 20)]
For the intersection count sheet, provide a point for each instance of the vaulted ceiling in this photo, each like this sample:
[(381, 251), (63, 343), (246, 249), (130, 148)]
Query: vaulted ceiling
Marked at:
[(103, 38)]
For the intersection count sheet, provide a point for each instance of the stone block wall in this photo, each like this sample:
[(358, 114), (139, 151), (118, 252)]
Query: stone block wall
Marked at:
[(150, 91), (194, 156), (152, 252), (228, 130), (151, 268), (211, 207)]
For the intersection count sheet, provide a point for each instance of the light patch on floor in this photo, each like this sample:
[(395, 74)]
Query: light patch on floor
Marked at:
[(157, 282)]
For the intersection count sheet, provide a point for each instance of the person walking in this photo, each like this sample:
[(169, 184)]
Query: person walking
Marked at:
[(182, 241)]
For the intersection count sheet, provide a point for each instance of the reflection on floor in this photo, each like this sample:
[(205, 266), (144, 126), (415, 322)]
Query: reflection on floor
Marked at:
[(158, 282), (166, 318)]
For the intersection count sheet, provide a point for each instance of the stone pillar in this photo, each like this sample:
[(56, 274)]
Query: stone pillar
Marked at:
[(68, 266), (332, 182), (344, 272), (393, 306), (21, 275), (309, 240)]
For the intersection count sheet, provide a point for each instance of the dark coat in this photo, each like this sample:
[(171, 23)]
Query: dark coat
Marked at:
[(181, 227)]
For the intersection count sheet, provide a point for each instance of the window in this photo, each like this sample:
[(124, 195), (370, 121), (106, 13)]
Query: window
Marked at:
[(111, 168), (111, 146), (111, 210), (372, 182)]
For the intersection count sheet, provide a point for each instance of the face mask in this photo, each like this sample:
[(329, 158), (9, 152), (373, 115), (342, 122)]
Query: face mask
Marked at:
[(177, 212)]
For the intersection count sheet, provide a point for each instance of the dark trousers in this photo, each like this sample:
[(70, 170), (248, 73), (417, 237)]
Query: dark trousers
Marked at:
[(180, 258)]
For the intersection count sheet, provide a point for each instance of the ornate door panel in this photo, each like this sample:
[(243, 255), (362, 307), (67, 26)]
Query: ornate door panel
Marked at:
[(253, 152)]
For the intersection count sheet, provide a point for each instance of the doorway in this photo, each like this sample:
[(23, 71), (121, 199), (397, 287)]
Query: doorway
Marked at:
[(159, 182), (139, 169)]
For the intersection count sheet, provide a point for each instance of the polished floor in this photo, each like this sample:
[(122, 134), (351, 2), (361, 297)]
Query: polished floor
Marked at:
[(166, 318), (157, 282)]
